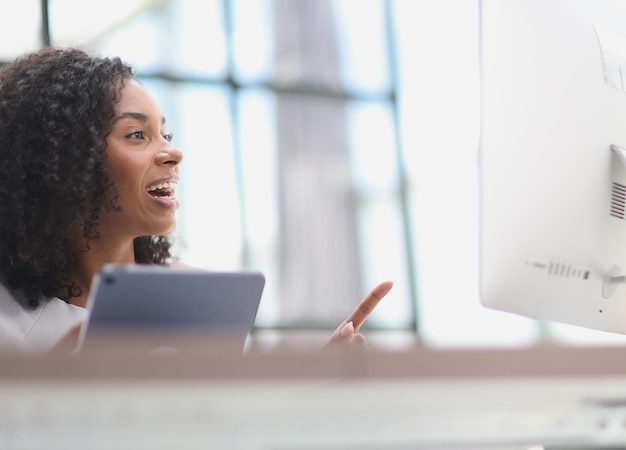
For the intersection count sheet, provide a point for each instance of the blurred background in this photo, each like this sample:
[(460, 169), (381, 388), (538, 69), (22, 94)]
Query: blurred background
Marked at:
[(330, 144)]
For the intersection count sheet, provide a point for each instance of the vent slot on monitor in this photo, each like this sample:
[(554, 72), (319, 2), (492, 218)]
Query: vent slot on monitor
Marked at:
[(618, 200), (566, 271), (561, 270)]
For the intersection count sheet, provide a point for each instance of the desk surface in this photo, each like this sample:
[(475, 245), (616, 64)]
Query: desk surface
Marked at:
[(211, 398)]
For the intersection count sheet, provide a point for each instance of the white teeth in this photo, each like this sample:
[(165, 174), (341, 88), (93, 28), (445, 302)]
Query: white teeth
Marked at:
[(170, 185)]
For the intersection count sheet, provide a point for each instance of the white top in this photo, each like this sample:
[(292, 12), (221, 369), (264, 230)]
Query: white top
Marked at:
[(23, 328)]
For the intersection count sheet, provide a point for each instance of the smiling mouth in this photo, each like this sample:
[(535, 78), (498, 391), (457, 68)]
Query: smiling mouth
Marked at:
[(167, 189)]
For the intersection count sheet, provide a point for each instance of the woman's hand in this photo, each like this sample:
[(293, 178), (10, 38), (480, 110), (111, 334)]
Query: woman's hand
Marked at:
[(347, 333)]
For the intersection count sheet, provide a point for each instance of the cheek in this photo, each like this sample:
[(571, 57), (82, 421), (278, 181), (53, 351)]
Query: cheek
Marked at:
[(127, 183), (125, 170)]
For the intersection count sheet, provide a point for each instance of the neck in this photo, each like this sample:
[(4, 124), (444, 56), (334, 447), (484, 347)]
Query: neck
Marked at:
[(90, 261)]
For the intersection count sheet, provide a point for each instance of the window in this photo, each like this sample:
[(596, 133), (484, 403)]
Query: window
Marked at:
[(330, 144)]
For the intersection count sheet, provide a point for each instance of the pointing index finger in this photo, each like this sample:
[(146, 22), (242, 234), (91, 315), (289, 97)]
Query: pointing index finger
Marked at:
[(367, 305)]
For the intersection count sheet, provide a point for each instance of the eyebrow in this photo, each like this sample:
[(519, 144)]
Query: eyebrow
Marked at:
[(135, 115)]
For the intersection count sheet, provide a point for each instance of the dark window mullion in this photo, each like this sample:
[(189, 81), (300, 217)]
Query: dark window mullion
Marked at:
[(46, 41)]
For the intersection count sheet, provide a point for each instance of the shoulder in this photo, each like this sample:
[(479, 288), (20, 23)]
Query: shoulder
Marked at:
[(37, 329), (183, 266)]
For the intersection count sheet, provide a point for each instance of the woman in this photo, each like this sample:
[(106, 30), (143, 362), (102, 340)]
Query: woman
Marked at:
[(88, 175)]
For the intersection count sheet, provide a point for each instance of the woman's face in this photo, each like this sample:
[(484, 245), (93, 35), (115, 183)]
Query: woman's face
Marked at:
[(144, 165)]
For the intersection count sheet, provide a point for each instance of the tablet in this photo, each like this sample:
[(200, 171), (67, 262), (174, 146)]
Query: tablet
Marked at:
[(135, 299)]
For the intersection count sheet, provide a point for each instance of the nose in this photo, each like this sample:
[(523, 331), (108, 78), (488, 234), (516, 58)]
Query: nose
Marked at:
[(169, 156)]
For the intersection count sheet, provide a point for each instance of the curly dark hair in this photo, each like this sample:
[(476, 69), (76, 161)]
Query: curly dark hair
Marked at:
[(56, 111)]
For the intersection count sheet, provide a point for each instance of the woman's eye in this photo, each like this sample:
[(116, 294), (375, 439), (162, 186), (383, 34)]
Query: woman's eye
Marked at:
[(136, 135), (168, 137)]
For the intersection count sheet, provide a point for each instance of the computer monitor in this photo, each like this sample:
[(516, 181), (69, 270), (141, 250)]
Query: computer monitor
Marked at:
[(552, 164)]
